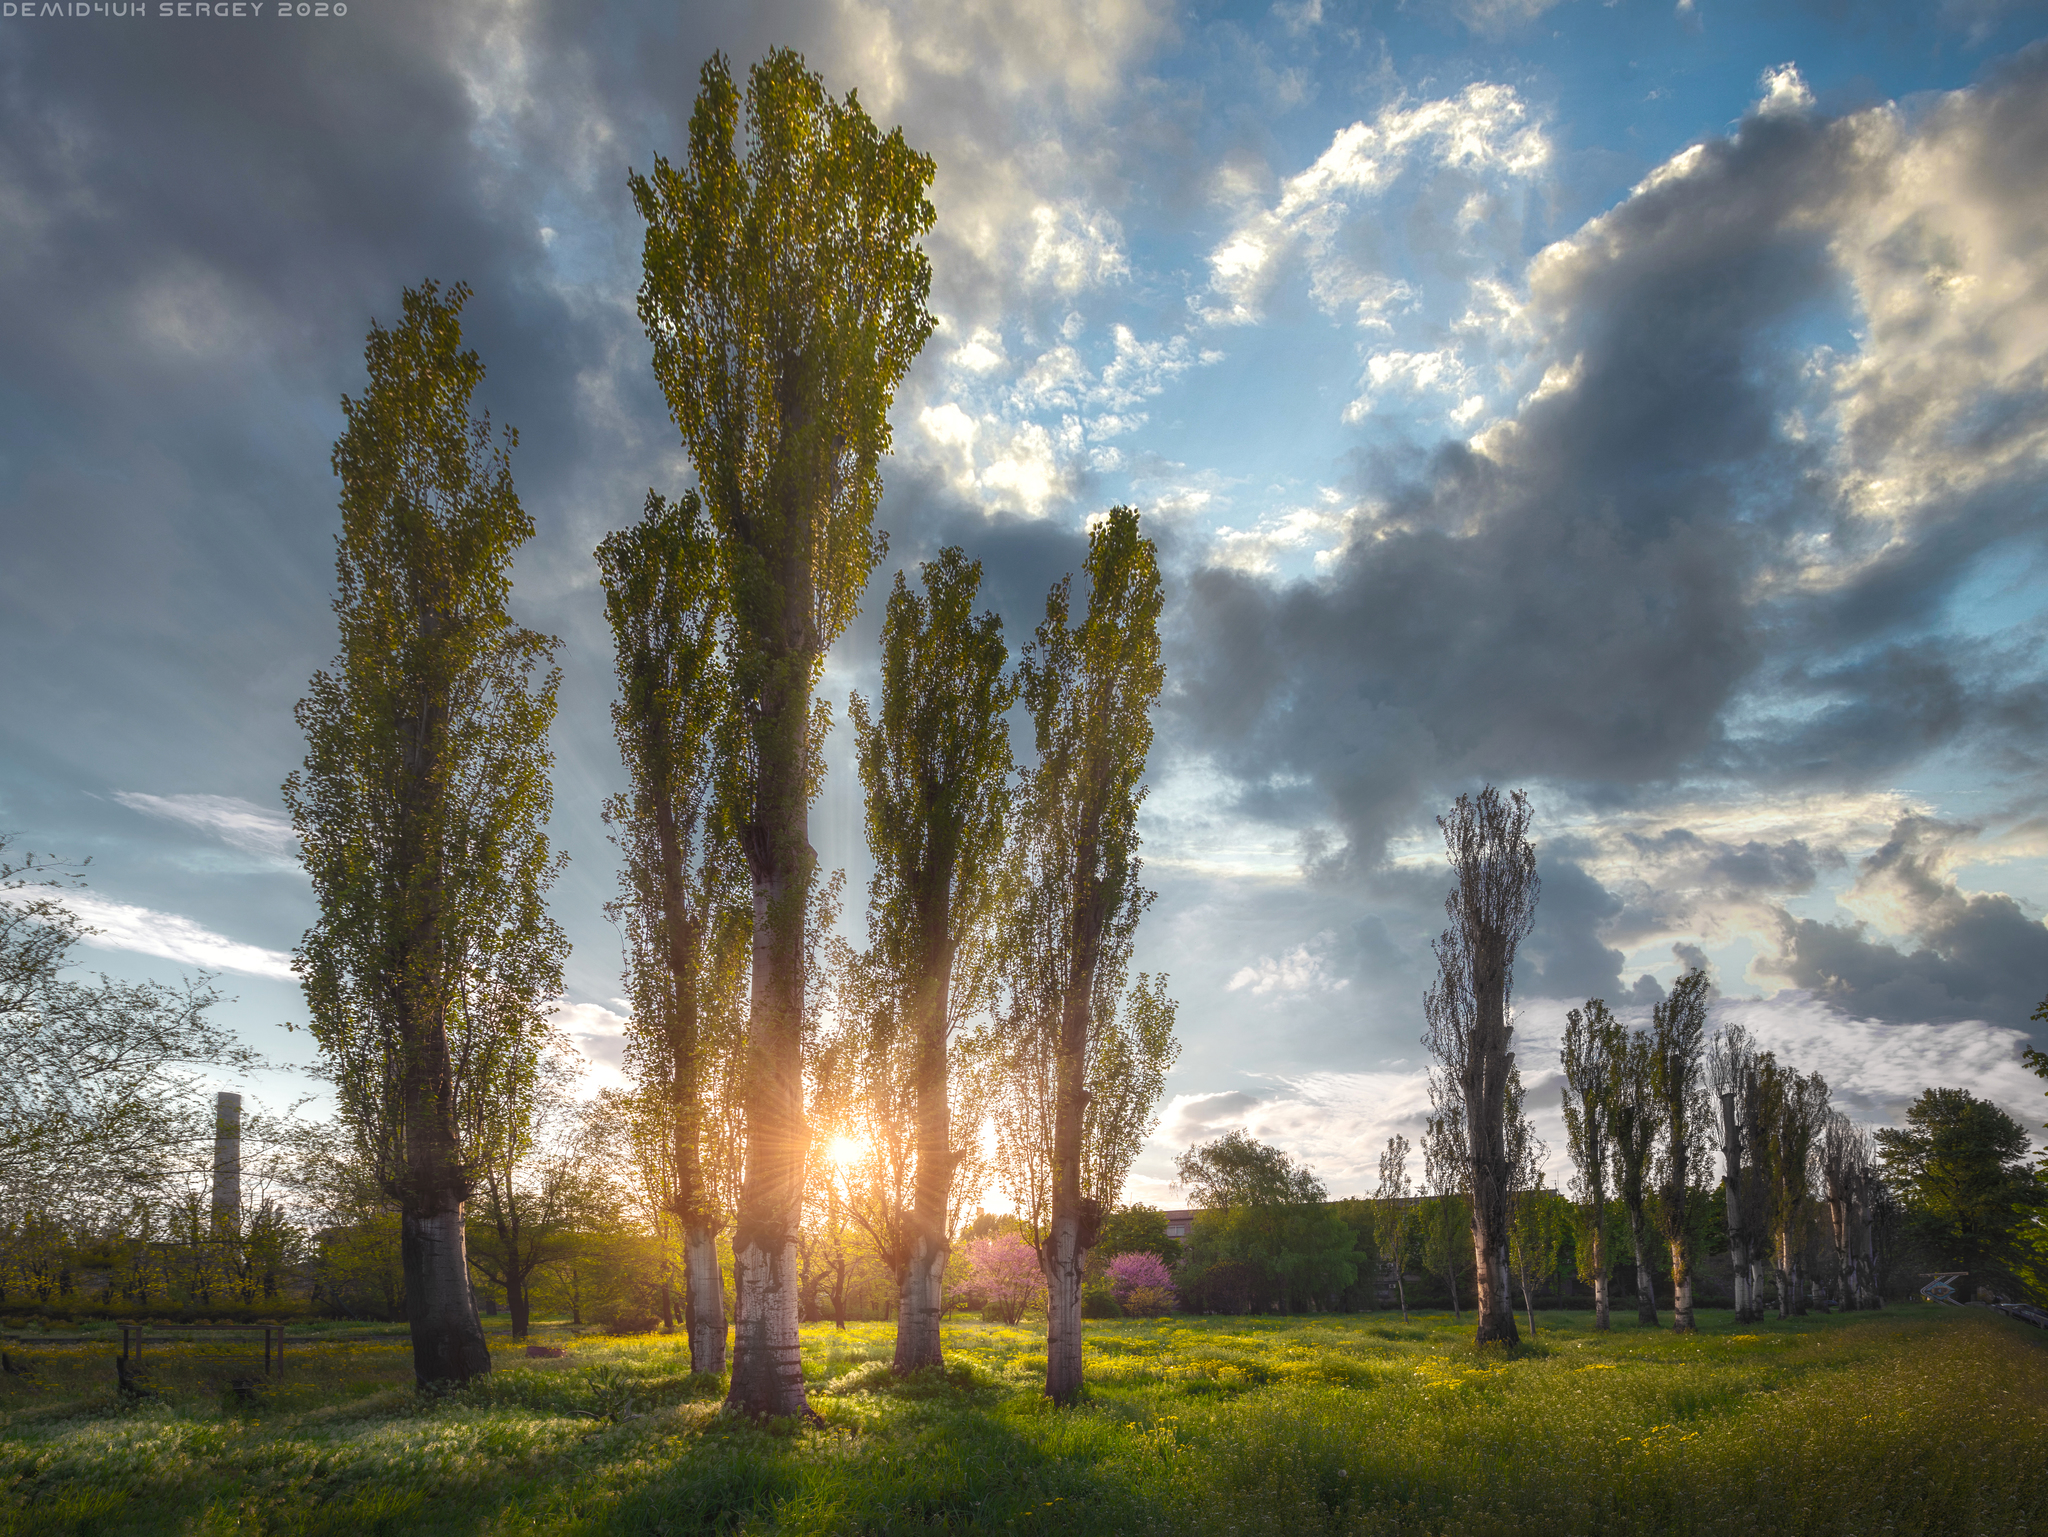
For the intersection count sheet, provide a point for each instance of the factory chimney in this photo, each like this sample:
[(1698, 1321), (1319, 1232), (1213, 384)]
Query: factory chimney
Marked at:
[(227, 1161)]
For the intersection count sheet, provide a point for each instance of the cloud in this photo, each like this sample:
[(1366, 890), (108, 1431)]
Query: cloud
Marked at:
[(241, 823), (1298, 971), (1468, 143), (1651, 575), (598, 1034), (1976, 955), (119, 926)]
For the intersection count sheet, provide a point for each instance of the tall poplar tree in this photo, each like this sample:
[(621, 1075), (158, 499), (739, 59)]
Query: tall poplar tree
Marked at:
[(784, 295), (1491, 908), (421, 807), (1677, 1046), (1594, 1042), (935, 761), (1732, 1074), (683, 899), (1098, 1057), (1634, 1114)]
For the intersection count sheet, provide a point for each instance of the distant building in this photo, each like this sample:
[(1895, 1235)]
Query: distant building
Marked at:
[(1180, 1223)]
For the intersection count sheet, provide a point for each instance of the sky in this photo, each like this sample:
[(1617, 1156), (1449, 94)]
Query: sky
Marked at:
[(1645, 405)]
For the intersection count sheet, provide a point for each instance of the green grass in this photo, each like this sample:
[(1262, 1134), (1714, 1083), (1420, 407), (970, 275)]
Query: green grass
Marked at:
[(1917, 1420)]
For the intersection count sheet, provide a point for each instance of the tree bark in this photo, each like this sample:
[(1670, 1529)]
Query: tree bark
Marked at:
[(1602, 1318), (703, 1301), (448, 1346), (517, 1302), (1681, 1286), (1738, 1230), (767, 1374), (1646, 1279), (1486, 1076), (924, 1262), (1071, 1232)]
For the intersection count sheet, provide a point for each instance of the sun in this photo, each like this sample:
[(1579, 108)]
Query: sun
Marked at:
[(846, 1151)]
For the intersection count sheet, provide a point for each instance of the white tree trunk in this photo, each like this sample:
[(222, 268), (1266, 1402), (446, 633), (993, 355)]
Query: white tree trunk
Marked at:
[(918, 1303), (767, 1374), (703, 1301), (1063, 1260)]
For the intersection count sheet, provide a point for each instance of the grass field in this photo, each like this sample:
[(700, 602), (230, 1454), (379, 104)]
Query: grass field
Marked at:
[(1918, 1420)]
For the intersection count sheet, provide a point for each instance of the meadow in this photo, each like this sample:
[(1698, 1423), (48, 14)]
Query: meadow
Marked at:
[(1913, 1420)]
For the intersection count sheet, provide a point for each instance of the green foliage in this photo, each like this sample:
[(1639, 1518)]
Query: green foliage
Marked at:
[(422, 805), (1916, 1420), (683, 903), (1072, 1035), (785, 298), (1267, 1225), (1959, 1168), (1134, 1229), (97, 1080)]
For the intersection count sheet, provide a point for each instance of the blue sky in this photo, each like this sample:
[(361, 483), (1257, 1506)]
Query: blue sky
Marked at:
[(1643, 404)]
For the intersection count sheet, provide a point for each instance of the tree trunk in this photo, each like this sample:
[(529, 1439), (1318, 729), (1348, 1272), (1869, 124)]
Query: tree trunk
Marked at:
[(1401, 1291), (1602, 1319), (1681, 1285), (448, 1346), (924, 1265), (1738, 1231), (517, 1302), (1646, 1280), (1073, 1226), (767, 1372), (1529, 1304), (703, 1301), (1064, 1255), (1485, 1092)]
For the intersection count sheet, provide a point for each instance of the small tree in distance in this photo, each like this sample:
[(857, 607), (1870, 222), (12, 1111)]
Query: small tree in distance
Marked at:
[(1392, 1215), (1006, 1271)]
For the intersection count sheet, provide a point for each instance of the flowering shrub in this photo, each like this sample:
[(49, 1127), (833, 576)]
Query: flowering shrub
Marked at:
[(1142, 1284), (1004, 1269)]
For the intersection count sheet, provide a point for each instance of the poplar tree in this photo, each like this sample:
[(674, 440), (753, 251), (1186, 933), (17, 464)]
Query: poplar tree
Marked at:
[(1633, 1113), (1593, 1044), (683, 886), (421, 807), (1732, 1074), (1087, 1063), (1677, 1047), (784, 295), (935, 762), (1491, 908), (1391, 1215)]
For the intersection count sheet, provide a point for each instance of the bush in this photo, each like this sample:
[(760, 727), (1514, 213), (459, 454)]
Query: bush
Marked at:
[(1130, 1274), (1149, 1301), (1098, 1301)]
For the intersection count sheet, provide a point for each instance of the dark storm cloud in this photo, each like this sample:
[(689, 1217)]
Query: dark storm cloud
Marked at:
[(1586, 602), (1564, 956), (1976, 955)]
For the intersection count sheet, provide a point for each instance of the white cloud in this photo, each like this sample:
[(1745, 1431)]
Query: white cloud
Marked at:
[(1481, 132), (241, 823), (147, 932), (1074, 248), (598, 1034), (1297, 972), (1785, 94)]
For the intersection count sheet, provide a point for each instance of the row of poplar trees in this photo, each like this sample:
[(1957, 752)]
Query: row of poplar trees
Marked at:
[(1639, 1110), (785, 296)]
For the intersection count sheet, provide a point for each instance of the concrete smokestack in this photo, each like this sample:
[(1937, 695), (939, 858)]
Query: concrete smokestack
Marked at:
[(227, 1160)]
